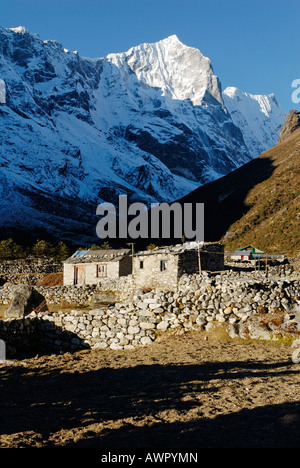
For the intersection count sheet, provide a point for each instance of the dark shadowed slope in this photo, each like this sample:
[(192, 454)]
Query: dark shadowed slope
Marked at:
[(258, 203)]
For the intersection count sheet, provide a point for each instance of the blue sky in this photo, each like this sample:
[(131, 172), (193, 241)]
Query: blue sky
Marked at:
[(253, 45)]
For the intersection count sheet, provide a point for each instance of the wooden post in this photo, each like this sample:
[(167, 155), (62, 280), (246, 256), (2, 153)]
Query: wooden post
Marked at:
[(132, 254), (199, 260)]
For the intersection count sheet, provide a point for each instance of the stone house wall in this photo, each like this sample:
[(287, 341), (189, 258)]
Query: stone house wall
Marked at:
[(68, 270), (211, 258), (115, 269), (149, 274)]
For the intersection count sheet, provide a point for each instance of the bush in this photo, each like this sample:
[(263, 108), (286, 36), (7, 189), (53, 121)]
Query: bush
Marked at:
[(9, 250)]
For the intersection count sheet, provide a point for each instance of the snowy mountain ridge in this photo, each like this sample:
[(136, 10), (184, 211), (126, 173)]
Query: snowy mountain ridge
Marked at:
[(257, 116), (181, 72), (151, 122)]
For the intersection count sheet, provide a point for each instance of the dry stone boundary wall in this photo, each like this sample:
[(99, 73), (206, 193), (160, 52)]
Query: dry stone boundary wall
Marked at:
[(254, 308), (29, 271)]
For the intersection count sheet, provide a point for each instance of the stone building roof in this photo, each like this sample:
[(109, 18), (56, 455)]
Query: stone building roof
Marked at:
[(101, 255), (176, 249)]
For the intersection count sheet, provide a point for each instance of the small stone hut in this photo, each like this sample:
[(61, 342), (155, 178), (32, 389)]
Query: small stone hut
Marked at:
[(86, 267), (163, 266)]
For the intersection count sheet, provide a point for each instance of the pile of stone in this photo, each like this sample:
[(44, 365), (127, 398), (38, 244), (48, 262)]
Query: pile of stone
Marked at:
[(265, 308)]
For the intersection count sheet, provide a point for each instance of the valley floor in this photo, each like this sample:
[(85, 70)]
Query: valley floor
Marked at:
[(183, 392)]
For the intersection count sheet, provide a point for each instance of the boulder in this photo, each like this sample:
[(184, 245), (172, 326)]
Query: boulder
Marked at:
[(102, 298), (24, 299)]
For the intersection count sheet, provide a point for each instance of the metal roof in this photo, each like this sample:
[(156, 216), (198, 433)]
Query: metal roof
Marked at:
[(249, 248)]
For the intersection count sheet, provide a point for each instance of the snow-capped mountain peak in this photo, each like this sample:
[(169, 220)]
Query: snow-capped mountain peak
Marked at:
[(181, 72), (150, 123), (20, 30)]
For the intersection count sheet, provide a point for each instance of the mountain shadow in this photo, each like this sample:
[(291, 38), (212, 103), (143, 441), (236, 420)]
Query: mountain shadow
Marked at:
[(224, 203), (224, 199), (51, 400), (256, 204)]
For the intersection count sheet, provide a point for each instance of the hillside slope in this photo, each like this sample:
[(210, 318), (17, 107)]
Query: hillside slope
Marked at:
[(257, 204)]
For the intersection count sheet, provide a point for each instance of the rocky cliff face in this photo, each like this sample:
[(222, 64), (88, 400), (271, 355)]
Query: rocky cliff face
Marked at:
[(291, 124), (150, 122)]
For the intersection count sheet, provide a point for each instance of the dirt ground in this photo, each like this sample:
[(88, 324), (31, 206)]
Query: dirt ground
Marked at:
[(182, 392)]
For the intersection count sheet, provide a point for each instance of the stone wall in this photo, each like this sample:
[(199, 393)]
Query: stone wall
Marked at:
[(29, 271), (123, 288), (34, 265), (19, 336), (210, 257), (246, 307)]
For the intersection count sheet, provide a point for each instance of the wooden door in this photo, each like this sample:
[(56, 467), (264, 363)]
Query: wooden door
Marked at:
[(79, 274)]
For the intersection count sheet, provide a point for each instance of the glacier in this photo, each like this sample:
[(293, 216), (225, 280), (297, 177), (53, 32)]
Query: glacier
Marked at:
[(151, 123)]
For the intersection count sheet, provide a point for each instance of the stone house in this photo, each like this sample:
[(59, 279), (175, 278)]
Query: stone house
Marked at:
[(86, 267), (162, 267)]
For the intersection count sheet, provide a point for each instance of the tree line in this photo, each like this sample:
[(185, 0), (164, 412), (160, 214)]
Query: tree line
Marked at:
[(10, 250)]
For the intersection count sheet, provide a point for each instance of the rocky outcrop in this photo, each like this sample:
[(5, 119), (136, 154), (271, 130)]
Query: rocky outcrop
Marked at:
[(24, 299), (292, 123)]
